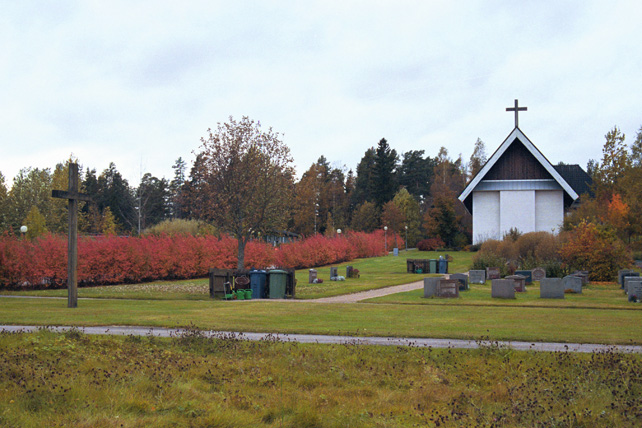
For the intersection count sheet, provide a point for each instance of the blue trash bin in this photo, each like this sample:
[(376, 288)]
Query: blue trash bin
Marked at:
[(258, 279), (443, 265)]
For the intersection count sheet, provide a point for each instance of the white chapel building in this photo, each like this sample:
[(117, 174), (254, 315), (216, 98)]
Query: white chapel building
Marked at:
[(519, 188)]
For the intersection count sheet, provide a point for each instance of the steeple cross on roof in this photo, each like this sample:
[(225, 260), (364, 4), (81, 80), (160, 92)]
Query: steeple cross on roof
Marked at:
[(516, 109)]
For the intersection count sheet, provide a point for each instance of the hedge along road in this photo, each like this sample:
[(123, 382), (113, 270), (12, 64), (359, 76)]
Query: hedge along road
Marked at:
[(347, 340)]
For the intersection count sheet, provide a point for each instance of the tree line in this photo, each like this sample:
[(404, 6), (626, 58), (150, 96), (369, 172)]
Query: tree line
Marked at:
[(412, 190), (412, 194)]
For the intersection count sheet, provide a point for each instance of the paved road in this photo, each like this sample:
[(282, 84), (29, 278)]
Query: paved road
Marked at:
[(312, 338)]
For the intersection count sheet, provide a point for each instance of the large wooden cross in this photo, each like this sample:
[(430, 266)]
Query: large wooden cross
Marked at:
[(72, 247), (516, 109)]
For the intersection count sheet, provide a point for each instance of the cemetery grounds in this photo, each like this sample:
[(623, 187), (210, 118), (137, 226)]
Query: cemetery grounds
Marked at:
[(64, 379)]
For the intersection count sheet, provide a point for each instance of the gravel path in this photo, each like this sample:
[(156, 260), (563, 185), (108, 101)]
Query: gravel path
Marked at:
[(363, 295), (352, 340)]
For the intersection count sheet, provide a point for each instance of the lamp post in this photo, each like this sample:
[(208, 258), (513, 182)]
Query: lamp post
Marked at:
[(406, 227), (23, 230), (339, 232), (385, 234)]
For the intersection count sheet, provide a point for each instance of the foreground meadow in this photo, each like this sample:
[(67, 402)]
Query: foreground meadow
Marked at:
[(71, 379)]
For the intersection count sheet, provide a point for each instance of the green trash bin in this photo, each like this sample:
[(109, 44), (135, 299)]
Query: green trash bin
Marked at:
[(278, 281), (240, 294), (433, 265)]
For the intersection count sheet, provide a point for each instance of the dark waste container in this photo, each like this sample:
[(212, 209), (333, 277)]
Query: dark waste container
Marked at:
[(278, 280), (443, 265), (433, 265), (258, 279)]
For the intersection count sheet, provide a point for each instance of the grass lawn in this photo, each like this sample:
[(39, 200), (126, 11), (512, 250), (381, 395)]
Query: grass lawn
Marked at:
[(376, 272), (71, 379), (586, 325)]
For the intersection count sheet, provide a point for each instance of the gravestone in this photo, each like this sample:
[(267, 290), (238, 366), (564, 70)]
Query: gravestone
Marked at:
[(430, 286), (477, 276), (635, 291), (629, 275), (551, 288), (448, 288), (527, 274), (572, 284), (463, 280), (334, 272), (502, 289), (621, 273), (538, 274), (519, 281), (312, 275), (582, 274), (628, 280), (349, 271), (395, 252), (493, 273)]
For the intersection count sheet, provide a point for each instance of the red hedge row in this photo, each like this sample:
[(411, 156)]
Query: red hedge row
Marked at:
[(43, 262)]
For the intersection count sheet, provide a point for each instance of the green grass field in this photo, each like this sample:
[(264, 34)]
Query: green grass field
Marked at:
[(71, 379)]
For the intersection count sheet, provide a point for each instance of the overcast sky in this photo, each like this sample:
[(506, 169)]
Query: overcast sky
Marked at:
[(139, 83)]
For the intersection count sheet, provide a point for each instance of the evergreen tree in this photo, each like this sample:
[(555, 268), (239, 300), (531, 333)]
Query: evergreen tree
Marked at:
[(114, 192), (384, 179), (364, 182), (153, 201), (416, 174), (176, 188), (4, 196)]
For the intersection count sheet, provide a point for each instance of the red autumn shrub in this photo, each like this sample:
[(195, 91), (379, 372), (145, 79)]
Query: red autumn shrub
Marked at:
[(430, 244), (114, 260)]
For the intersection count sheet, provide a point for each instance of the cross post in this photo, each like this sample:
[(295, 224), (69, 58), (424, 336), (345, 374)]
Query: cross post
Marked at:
[(72, 246), (516, 109)]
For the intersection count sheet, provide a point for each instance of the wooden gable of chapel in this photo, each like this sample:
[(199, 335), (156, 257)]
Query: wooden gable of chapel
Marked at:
[(517, 158), (517, 163)]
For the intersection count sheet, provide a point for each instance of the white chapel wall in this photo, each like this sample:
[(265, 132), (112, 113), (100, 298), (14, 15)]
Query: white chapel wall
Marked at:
[(517, 208), (485, 216), (549, 210)]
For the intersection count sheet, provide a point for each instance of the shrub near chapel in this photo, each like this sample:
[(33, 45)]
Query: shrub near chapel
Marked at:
[(596, 249)]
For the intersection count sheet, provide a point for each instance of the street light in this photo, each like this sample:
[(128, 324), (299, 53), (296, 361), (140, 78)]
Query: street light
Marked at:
[(23, 230), (385, 234), (406, 226), (339, 232)]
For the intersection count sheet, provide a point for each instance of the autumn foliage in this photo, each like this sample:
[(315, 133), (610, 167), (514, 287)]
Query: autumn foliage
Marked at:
[(113, 260), (595, 249)]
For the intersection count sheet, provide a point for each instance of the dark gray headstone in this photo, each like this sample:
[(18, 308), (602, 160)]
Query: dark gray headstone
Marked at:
[(635, 289), (538, 274), (448, 288), (349, 271), (572, 284), (312, 275), (621, 273), (527, 274), (477, 276), (430, 286), (502, 289), (463, 280), (519, 281), (551, 288), (629, 275), (493, 273)]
